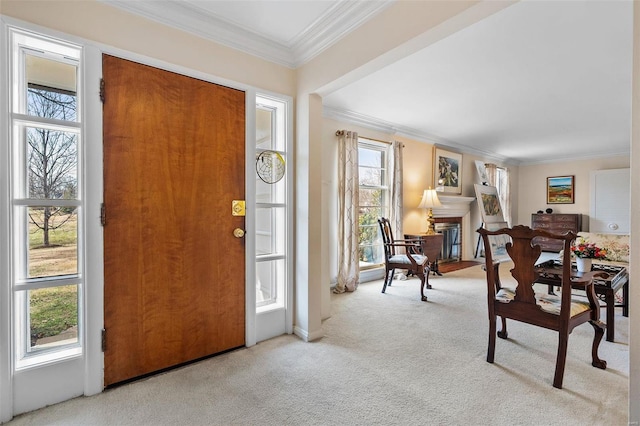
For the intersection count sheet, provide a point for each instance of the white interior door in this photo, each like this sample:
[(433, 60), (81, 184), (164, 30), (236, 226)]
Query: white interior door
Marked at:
[(610, 201)]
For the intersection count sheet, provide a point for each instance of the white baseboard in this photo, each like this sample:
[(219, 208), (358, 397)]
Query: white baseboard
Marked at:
[(306, 336)]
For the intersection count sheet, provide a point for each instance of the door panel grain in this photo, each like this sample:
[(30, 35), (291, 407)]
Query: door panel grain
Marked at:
[(174, 273)]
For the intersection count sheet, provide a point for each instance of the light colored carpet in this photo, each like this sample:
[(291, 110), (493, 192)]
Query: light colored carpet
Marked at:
[(386, 359)]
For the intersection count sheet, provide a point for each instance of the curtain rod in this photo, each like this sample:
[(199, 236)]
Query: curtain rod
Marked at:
[(342, 132)]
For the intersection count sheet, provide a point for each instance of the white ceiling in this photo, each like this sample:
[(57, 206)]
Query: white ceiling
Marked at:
[(537, 81)]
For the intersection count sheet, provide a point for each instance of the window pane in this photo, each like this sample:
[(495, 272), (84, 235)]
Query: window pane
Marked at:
[(274, 193), (371, 255), (53, 317), (264, 128), (370, 157), (52, 160), (270, 231), (371, 197), (51, 89), (270, 277), (370, 243), (369, 176), (53, 241)]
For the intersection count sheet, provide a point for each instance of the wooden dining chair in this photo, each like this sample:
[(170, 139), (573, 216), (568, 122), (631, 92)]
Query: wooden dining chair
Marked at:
[(398, 255), (522, 303)]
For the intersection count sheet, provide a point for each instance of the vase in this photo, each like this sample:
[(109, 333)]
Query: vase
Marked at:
[(583, 264)]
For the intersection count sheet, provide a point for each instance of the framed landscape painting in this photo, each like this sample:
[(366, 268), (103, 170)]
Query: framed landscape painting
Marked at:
[(560, 190), (447, 171)]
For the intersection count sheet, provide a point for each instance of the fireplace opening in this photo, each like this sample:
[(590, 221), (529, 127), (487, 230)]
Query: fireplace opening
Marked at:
[(451, 228)]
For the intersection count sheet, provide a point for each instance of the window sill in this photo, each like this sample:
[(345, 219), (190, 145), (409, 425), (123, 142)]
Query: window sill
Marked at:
[(269, 308), (371, 274), (49, 357)]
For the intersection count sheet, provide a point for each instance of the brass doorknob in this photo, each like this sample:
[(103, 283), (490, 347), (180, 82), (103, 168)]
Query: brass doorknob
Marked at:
[(238, 233)]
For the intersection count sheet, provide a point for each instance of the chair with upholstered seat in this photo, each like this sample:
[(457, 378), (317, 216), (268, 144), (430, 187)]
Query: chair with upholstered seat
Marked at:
[(396, 258), (523, 303)]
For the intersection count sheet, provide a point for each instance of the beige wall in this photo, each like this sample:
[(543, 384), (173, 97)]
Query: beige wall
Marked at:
[(417, 176), (531, 191)]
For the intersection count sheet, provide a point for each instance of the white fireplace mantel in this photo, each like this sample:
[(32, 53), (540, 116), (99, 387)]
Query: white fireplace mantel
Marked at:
[(453, 206)]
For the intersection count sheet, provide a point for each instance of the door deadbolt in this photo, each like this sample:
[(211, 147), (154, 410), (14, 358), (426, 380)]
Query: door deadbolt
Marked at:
[(238, 233)]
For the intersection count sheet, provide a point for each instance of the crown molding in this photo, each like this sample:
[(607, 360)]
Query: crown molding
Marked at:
[(534, 162), (393, 129), (387, 127), (194, 20), (337, 22)]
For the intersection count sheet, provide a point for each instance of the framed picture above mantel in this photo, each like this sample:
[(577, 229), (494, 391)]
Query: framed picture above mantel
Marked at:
[(447, 171), (560, 190)]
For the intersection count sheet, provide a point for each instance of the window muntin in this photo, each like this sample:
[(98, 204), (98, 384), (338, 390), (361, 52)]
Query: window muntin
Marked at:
[(373, 203), (46, 218)]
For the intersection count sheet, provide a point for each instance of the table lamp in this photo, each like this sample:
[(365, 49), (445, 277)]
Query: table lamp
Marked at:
[(429, 201)]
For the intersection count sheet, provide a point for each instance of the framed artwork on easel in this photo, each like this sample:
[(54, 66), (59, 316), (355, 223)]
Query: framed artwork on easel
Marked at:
[(489, 203)]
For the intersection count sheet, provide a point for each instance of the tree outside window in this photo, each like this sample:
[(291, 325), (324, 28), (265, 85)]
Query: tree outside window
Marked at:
[(52, 157), (373, 201)]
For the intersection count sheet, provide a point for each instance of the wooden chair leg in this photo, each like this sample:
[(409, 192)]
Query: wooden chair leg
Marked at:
[(386, 279), (598, 327), (427, 270), (561, 360), (503, 333), (492, 339), (422, 285)]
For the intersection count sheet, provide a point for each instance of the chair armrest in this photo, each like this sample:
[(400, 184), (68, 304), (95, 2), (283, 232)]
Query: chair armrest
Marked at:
[(587, 278), (403, 245), (586, 281)]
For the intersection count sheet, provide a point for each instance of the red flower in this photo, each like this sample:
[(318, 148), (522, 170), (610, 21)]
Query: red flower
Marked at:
[(587, 250)]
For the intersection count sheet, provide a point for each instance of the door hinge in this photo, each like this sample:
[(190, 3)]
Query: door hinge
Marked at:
[(102, 90), (103, 215), (104, 340)]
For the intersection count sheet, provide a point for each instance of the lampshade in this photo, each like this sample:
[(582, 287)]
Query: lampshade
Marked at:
[(429, 199)]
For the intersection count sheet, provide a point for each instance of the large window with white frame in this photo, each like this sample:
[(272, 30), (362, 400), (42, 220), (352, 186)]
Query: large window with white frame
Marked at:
[(46, 187), (272, 203), (374, 200)]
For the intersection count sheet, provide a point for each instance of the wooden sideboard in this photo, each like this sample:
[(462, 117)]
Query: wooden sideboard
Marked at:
[(558, 224)]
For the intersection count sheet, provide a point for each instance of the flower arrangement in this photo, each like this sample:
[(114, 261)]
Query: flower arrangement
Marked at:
[(587, 250)]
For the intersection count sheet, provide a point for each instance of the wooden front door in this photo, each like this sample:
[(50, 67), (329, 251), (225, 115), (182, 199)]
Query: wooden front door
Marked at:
[(174, 154)]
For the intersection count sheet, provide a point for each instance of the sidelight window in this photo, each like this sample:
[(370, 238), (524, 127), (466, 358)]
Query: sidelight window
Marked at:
[(46, 215), (272, 203)]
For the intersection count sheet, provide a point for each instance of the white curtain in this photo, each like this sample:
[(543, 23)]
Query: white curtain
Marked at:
[(502, 184), (395, 186), (348, 215)]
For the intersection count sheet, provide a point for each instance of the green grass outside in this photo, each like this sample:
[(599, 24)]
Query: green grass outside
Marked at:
[(53, 310)]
